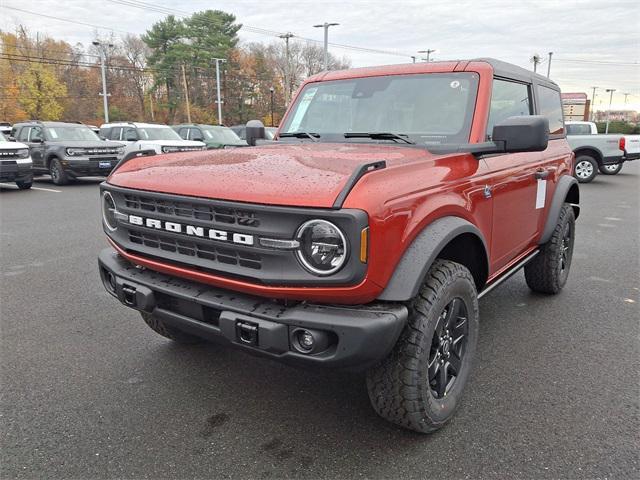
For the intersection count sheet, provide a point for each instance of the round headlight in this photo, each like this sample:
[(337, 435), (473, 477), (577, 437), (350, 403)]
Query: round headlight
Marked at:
[(109, 211), (323, 249)]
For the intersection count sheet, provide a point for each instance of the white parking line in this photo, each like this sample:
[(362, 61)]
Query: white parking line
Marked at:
[(32, 188)]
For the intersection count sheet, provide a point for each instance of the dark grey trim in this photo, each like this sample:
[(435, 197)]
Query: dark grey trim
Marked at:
[(581, 150), (559, 198), (417, 259), (506, 275), (360, 172), (510, 71)]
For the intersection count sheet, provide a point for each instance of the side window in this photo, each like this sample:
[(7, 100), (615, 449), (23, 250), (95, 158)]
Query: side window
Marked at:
[(508, 99), (129, 134), (550, 106), (114, 134), (578, 129), (23, 135), (195, 133), (104, 132), (36, 133), (183, 132)]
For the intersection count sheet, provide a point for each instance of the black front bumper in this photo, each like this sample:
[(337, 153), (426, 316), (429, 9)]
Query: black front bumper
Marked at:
[(15, 172), (88, 167), (357, 336)]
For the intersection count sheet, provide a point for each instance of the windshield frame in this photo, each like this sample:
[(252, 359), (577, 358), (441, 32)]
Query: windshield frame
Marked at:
[(463, 136)]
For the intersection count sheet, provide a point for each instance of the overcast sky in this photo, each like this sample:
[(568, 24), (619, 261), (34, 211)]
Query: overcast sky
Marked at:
[(595, 42)]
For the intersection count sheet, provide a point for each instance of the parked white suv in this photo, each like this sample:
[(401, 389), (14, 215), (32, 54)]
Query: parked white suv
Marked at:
[(148, 136), (15, 163)]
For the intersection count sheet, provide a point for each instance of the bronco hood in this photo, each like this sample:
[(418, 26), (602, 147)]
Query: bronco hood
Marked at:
[(303, 174)]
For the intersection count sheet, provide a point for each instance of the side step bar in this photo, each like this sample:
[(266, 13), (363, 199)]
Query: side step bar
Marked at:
[(508, 273)]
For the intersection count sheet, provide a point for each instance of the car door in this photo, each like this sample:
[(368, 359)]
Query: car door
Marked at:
[(33, 136), (513, 183)]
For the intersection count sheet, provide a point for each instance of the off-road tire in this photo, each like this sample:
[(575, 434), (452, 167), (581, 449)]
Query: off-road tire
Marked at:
[(398, 386), (24, 185), (610, 169), (166, 331), (585, 168), (548, 271), (57, 173)]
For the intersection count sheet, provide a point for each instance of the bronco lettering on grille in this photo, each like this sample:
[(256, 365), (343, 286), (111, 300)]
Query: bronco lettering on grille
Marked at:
[(192, 230)]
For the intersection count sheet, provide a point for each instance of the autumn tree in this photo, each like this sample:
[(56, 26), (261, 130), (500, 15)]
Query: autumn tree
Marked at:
[(40, 92)]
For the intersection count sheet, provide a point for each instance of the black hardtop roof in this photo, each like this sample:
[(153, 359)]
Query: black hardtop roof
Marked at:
[(509, 70)]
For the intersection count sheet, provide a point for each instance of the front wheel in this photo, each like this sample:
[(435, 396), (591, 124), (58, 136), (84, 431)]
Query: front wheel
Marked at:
[(25, 184), (586, 169), (610, 169), (420, 384), (58, 175)]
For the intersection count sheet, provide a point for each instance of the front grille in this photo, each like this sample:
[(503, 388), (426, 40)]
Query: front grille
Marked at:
[(8, 154), (186, 209), (228, 256)]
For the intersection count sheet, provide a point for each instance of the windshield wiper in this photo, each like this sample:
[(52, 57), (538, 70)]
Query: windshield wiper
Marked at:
[(379, 136), (312, 136)]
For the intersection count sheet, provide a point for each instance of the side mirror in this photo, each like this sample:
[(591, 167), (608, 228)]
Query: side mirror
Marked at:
[(527, 133), (254, 131)]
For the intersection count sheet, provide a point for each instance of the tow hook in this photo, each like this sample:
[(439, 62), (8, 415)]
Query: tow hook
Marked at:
[(129, 295), (247, 333)]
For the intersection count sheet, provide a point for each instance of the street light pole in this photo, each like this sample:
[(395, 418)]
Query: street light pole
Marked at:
[(287, 91), (429, 51), (271, 89), (593, 103), (549, 65), (326, 26), (218, 101), (186, 93), (103, 60), (610, 90)]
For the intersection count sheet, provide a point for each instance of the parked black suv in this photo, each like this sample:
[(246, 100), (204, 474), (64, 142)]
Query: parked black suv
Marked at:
[(67, 150)]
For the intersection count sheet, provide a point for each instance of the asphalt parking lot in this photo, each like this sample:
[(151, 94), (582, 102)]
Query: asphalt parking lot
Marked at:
[(88, 391)]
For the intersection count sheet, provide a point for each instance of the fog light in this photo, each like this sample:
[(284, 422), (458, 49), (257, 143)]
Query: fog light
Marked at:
[(306, 340)]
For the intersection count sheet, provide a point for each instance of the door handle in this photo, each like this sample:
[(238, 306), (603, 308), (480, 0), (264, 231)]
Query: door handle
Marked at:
[(542, 174)]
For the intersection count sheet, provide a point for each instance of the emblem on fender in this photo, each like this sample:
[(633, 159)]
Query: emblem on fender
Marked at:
[(192, 230)]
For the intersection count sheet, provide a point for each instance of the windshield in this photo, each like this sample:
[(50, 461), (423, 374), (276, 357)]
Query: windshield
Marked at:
[(71, 134), (429, 109), (221, 135), (158, 133), (2, 138)]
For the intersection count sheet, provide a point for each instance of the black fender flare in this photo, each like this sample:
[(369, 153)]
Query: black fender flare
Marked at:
[(599, 158), (565, 184), (420, 255)]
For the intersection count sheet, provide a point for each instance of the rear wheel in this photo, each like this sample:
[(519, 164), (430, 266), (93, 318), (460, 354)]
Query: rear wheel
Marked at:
[(166, 331), (420, 384), (610, 169), (58, 175), (549, 270), (586, 168)]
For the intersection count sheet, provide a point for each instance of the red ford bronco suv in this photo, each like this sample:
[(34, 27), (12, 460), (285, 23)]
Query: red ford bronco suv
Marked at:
[(392, 200)]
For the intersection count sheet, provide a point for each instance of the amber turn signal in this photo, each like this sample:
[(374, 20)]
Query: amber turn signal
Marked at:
[(364, 244)]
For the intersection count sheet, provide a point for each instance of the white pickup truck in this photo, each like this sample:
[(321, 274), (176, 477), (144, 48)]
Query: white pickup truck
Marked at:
[(598, 152)]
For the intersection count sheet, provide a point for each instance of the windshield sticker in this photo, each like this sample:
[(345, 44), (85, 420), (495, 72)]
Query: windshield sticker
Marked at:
[(53, 133), (303, 106)]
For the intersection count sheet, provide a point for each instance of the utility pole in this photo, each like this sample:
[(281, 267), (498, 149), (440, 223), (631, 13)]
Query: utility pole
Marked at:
[(625, 97), (326, 26), (287, 90), (549, 65), (536, 60), (151, 106), (186, 93), (593, 103), (219, 101), (103, 60), (413, 57), (429, 51), (610, 90)]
